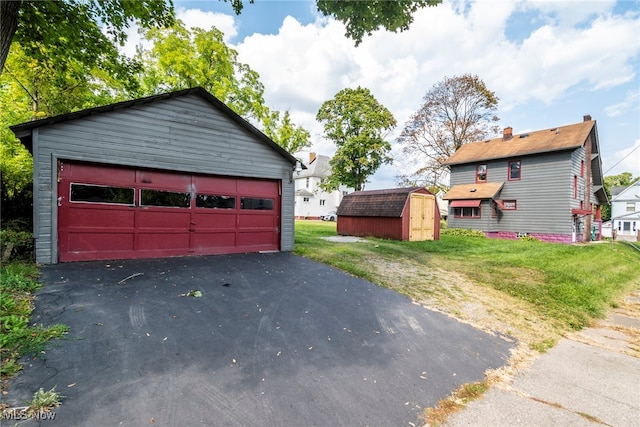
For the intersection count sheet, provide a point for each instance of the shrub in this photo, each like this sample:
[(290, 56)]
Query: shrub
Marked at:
[(462, 232), (16, 242), (528, 239)]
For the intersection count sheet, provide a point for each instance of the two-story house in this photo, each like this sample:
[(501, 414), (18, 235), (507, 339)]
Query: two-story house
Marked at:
[(625, 211), (545, 184), (313, 202)]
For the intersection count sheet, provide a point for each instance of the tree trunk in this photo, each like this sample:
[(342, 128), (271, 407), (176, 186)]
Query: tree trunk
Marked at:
[(8, 24)]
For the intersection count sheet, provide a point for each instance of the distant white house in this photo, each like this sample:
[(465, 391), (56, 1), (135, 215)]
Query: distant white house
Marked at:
[(312, 202), (625, 211)]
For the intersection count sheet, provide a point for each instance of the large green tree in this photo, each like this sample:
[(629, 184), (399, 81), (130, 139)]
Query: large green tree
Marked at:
[(358, 124), (181, 58), (455, 111), (31, 89), (86, 31), (365, 17)]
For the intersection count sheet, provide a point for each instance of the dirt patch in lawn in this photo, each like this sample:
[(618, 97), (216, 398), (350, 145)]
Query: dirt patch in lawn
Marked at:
[(483, 307)]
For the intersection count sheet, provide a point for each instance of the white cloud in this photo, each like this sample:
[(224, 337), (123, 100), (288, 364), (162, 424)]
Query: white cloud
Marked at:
[(631, 102), (626, 160), (196, 18), (566, 13)]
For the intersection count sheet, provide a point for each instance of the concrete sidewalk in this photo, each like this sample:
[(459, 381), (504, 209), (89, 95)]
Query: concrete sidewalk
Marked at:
[(590, 378)]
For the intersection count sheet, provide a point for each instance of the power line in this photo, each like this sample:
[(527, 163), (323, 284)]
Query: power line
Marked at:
[(618, 162)]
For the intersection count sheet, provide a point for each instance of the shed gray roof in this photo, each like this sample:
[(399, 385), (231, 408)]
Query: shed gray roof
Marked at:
[(23, 130), (376, 203)]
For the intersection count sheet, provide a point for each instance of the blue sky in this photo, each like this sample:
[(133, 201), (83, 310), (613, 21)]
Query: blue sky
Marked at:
[(549, 62)]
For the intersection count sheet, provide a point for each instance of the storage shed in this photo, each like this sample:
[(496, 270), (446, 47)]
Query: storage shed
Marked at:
[(399, 213), (168, 175)]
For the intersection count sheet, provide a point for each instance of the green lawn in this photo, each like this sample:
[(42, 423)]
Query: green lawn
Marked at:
[(566, 286)]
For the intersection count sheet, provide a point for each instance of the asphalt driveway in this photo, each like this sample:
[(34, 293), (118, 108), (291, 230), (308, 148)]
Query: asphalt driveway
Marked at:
[(274, 339)]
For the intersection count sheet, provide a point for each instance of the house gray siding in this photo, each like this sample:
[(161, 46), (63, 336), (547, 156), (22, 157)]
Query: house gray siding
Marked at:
[(185, 134), (544, 195)]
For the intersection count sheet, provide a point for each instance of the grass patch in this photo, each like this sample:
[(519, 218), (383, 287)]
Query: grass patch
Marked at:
[(44, 401), (17, 337), (458, 399)]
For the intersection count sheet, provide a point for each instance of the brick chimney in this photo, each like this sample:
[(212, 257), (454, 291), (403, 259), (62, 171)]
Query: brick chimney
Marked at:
[(586, 118), (312, 157), (507, 133)]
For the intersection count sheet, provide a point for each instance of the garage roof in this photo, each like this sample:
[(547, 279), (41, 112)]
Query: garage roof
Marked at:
[(376, 203), (23, 130)]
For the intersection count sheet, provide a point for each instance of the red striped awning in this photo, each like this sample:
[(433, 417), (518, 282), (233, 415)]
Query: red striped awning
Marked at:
[(465, 203)]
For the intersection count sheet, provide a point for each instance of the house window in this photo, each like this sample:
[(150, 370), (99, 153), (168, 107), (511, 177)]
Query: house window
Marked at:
[(575, 186), (322, 202), (626, 226), (305, 200), (345, 192), (514, 170), (481, 173), (510, 205), (466, 212), (306, 184), (631, 207)]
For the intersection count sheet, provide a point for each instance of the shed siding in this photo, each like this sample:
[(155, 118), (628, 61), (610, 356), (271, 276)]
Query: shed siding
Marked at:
[(383, 227), (182, 134), (543, 195)]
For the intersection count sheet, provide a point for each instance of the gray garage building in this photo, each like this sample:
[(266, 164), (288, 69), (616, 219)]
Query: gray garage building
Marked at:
[(168, 175)]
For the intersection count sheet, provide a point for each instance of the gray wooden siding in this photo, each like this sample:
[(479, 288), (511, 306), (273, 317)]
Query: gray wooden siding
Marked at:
[(544, 195), (182, 134), (576, 163)]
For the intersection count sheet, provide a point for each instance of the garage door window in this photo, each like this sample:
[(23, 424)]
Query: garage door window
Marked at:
[(164, 198), (101, 194), (256, 204), (215, 202)]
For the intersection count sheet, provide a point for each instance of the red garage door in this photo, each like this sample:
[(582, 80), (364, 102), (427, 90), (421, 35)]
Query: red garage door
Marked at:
[(107, 212)]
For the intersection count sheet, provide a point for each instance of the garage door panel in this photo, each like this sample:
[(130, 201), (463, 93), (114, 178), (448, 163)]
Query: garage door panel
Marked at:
[(99, 241), (208, 221), (256, 221), (162, 240), (164, 180), (257, 187), (166, 218), (215, 185), (105, 218), (254, 238), (205, 240), (97, 174)]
